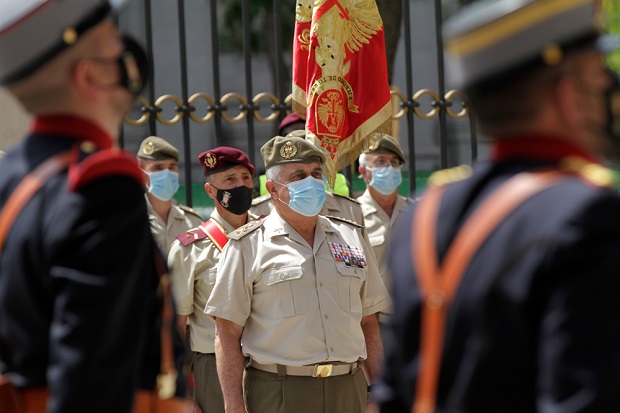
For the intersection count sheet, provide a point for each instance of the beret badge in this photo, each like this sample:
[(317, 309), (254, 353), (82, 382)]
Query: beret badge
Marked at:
[(149, 148), (288, 150), (210, 160)]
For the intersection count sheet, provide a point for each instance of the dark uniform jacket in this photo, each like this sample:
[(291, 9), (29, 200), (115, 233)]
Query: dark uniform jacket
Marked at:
[(534, 324), (78, 306)]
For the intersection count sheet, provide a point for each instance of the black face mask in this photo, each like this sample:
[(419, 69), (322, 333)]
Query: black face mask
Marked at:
[(612, 100), (237, 200), (133, 66)]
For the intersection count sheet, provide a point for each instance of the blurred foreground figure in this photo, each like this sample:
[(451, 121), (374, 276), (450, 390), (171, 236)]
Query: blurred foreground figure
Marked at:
[(79, 309), (506, 276)]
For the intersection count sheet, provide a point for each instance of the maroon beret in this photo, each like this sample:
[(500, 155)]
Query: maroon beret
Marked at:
[(223, 157), (289, 120)]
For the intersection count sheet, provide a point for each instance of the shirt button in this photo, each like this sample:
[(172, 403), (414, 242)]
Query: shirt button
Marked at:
[(320, 284), (326, 316)]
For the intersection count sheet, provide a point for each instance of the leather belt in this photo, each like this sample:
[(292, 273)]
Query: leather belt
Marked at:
[(314, 370)]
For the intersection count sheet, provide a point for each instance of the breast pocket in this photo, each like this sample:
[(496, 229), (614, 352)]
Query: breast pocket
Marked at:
[(209, 277), (350, 281), (208, 280), (289, 291)]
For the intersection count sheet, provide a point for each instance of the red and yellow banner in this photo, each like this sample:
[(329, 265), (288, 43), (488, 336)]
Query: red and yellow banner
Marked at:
[(340, 81)]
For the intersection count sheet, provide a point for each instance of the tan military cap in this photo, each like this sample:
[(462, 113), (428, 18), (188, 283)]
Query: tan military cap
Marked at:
[(290, 148), (155, 148), (386, 144)]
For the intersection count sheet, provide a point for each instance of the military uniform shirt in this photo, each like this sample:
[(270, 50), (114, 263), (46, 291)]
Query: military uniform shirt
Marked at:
[(298, 305), (193, 276), (379, 228), (180, 219)]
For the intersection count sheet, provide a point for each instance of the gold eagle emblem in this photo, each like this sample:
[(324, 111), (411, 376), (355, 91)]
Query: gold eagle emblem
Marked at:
[(149, 148), (288, 150)]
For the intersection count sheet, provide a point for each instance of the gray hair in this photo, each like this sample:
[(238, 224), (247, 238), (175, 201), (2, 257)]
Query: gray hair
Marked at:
[(363, 160), (274, 173)]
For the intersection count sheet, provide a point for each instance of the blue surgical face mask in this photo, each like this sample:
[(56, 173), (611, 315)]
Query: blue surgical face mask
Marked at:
[(385, 180), (307, 196), (164, 184)]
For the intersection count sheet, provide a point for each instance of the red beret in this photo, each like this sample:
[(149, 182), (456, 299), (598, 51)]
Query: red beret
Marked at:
[(223, 157), (289, 120)]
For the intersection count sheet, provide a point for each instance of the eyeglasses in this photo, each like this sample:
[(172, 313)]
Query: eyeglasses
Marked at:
[(384, 163)]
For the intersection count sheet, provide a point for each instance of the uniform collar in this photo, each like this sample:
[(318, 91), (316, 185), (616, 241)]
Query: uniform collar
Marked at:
[(330, 204), (74, 127), (220, 220), (538, 147), (276, 226), (368, 203)]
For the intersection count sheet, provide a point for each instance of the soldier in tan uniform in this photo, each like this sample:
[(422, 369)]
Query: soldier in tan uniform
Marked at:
[(297, 296), (194, 260), (381, 204), (159, 161)]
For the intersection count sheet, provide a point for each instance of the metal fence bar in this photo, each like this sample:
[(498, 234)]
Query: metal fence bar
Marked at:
[(473, 136), (443, 134), (280, 93), (250, 107), (215, 63), (410, 104), (148, 17), (186, 109)]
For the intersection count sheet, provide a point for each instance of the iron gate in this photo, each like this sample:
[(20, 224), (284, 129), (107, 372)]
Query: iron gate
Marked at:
[(221, 76)]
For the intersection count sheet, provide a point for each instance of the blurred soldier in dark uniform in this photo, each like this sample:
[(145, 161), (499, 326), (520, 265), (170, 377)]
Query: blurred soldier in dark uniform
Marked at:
[(520, 317), (79, 312)]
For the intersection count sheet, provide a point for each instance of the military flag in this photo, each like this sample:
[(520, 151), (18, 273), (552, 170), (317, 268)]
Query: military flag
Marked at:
[(340, 81)]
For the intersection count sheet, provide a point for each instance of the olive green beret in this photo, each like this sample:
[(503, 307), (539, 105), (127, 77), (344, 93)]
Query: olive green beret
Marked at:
[(386, 144), (290, 148), (155, 148)]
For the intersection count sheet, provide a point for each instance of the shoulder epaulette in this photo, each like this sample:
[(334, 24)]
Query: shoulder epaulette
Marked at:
[(190, 210), (108, 162), (260, 199), (355, 201), (448, 176), (346, 221), (593, 173), (191, 236), (245, 230)]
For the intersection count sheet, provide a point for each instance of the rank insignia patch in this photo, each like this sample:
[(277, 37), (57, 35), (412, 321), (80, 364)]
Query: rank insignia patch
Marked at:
[(352, 256)]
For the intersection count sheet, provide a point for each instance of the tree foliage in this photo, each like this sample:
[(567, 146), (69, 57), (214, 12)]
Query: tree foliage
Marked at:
[(612, 12), (261, 11)]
